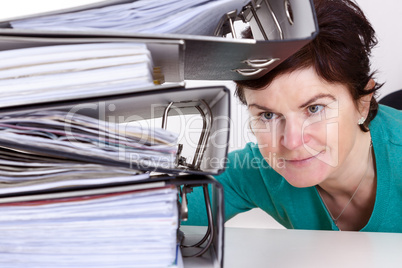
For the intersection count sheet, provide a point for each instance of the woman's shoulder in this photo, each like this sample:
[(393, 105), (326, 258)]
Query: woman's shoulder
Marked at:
[(247, 163), (245, 159), (389, 114), (388, 125)]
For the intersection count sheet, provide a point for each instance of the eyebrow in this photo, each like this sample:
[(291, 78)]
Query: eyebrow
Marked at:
[(305, 104), (258, 107), (317, 97)]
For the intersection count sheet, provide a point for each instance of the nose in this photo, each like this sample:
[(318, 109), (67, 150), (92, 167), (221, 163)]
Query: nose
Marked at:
[(291, 134)]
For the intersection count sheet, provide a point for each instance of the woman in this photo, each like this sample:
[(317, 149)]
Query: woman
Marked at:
[(328, 156)]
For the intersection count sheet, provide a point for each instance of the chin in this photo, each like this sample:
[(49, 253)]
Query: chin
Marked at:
[(301, 181)]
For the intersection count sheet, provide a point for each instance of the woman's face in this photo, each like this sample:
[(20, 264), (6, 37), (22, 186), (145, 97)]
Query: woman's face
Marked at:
[(306, 128)]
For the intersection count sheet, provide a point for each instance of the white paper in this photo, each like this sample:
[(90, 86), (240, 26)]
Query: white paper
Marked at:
[(30, 75), (71, 183), (142, 16), (58, 53), (81, 135), (134, 229)]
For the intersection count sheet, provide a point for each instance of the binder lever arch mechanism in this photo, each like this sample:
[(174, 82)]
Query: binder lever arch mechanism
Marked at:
[(207, 119), (251, 13), (267, 21)]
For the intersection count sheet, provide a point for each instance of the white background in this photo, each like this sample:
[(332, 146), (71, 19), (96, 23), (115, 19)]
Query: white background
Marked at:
[(384, 15)]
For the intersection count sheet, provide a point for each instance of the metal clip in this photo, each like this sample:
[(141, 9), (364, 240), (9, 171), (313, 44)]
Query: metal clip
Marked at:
[(226, 24), (207, 117), (249, 12), (255, 11), (278, 26), (184, 202)]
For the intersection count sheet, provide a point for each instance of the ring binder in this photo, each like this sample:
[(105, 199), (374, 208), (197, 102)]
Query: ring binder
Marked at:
[(287, 26), (213, 108)]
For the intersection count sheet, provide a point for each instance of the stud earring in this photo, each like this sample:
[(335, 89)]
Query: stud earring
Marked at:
[(361, 121)]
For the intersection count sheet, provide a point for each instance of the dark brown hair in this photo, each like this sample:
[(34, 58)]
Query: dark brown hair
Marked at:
[(339, 54)]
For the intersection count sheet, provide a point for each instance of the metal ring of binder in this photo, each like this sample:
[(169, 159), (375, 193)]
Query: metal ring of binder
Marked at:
[(206, 130), (278, 26), (207, 125), (231, 23), (289, 12), (165, 115), (257, 20), (183, 205), (209, 235), (254, 6), (222, 29)]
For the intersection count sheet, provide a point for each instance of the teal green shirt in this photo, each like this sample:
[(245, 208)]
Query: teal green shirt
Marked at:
[(249, 182)]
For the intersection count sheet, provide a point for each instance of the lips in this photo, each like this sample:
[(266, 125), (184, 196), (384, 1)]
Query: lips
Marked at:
[(300, 161)]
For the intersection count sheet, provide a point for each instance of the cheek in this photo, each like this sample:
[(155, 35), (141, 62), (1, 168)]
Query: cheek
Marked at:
[(267, 136), (347, 136), (324, 142), (335, 136), (268, 144), (318, 133)]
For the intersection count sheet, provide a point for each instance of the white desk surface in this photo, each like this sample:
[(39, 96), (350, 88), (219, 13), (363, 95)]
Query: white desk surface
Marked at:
[(254, 248)]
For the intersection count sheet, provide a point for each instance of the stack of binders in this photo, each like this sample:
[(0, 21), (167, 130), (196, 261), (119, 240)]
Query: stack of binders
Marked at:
[(108, 227), (91, 173), (100, 140)]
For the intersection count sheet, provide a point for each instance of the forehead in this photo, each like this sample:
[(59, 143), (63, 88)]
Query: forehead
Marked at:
[(296, 86)]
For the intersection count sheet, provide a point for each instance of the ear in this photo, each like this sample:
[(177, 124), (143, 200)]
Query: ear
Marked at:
[(364, 102)]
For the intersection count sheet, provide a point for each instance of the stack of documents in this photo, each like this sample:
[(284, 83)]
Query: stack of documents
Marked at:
[(103, 228), (196, 17), (73, 136), (73, 71), (22, 173)]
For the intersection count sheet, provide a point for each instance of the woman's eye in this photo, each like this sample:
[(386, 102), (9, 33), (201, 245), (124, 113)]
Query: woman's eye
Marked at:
[(315, 109), (268, 116)]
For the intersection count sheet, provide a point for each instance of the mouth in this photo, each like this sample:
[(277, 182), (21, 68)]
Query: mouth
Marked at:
[(302, 161)]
